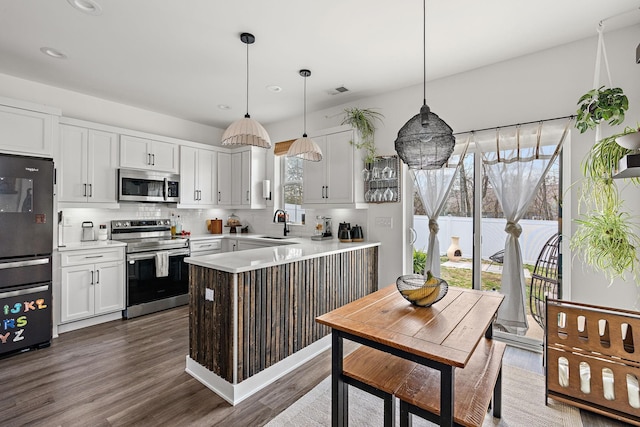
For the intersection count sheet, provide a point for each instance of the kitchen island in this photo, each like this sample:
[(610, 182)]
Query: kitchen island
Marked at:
[(252, 313)]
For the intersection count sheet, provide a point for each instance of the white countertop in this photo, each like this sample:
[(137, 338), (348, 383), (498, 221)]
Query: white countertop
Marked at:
[(96, 244), (289, 250)]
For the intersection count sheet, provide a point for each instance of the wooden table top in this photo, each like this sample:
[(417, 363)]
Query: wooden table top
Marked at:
[(447, 332)]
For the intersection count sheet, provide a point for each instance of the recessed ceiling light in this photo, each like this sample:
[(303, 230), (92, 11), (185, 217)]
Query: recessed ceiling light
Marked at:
[(54, 53), (224, 107), (90, 7), (274, 88)]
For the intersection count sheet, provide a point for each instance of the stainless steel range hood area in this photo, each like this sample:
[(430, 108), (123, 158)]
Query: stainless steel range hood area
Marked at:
[(629, 166)]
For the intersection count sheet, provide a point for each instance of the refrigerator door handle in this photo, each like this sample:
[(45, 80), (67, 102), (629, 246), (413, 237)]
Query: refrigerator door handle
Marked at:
[(26, 291), (26, 263)]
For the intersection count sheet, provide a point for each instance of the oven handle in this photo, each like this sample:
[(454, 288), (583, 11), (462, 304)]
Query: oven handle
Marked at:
[(26, 263), (26, 291), (151, 255)]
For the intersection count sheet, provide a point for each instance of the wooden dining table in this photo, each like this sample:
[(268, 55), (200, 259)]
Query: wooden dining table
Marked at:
[(443, 336)]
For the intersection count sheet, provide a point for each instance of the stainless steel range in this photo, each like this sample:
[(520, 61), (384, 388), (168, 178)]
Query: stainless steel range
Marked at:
[(157, 276)]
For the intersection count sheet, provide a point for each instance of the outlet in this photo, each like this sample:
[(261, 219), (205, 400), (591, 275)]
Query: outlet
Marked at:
[(384, 222), (208, 294)]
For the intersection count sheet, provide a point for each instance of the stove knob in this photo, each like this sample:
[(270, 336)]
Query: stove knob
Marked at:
[(118, 224), (126, 224), (167, 222)]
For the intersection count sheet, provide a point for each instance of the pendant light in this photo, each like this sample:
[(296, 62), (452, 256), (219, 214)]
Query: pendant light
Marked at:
[(246, 131), (425, 141), (305, 148)]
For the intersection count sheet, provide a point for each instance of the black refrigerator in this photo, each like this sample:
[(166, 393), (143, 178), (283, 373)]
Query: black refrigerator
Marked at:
[(26, 244)]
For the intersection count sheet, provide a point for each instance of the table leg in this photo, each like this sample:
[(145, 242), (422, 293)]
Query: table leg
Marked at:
[(497, 396), (339, 389), (447, 377)]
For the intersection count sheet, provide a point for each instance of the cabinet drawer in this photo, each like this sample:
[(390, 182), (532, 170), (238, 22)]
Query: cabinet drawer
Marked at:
[(206, 245), (91, 256)]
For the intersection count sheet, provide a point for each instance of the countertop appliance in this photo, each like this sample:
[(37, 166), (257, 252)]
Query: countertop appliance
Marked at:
[(148, 186), (157, 276), (26, 230), (323, 228), (87, 232)]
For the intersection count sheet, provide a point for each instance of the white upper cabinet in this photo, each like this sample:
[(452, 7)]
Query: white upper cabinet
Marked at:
[(25, 131), (198, 177), (148, 154), (334, 181), (240, 176), (87, 165)]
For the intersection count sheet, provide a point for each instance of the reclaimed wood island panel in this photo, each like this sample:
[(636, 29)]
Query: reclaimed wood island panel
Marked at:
[(250, 325)]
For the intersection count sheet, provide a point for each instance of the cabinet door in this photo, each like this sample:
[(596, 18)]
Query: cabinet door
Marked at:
[(102, 159), (314, 175), (188, 175), (245, 178), (135, 152), (236, 179), (72, 164), (164, 156), (26, 132), (224, 178), (77, 293), (109, 287), (340, 175), (207, 177)]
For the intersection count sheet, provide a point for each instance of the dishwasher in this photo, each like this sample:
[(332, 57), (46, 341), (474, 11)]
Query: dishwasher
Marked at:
[(202, 247)]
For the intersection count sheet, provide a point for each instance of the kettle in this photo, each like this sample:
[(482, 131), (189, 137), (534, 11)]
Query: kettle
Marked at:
[(356, 234), (87, 232)]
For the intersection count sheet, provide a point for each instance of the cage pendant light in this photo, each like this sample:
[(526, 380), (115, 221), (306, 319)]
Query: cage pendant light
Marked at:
[(425, 141), (246, 131), (305, 148)]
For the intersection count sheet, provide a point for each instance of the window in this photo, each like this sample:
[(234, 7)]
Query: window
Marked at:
[(292, 172)]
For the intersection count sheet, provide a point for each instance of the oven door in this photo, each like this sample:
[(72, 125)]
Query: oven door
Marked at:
[(26, 206), (144, 286)]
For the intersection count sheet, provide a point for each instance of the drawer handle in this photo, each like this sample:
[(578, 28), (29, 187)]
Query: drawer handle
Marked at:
[(93, 256)]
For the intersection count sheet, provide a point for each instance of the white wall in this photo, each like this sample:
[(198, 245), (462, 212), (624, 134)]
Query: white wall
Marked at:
[(85, 107), (534, 87)]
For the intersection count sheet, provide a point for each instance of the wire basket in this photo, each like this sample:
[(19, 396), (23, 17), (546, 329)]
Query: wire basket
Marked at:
[(414, 289)]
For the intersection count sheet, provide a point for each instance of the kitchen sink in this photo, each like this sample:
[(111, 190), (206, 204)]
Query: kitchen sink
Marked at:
[(274, 237)]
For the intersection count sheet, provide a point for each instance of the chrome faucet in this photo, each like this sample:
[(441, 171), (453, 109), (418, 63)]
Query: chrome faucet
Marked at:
[(284, 213)]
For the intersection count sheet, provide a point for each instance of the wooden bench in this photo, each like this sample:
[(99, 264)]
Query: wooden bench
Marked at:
[(593, 358), (418, 386)]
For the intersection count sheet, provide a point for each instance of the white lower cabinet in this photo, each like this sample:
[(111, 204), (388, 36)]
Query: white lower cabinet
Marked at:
[(92, 283)]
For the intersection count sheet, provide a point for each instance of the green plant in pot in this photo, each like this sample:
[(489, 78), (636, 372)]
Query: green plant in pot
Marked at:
[(602, 104), (363, 120)]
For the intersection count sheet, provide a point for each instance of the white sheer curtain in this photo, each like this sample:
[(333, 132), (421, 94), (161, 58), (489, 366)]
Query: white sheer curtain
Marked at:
[(516, 161), (433, 187)]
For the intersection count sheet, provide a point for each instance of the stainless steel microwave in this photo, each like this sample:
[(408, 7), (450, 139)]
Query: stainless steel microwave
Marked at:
[(148, 186)]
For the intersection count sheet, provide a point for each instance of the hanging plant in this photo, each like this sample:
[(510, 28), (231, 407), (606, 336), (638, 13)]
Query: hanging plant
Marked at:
[(600, 105), (363, 120), (603, 158), (607, 242)]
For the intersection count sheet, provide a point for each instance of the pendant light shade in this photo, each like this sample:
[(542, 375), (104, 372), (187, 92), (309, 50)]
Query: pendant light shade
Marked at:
[(246, 131), (425, 141), (305, 148)]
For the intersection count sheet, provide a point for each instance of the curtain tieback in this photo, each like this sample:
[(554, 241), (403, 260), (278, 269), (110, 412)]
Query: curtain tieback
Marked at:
[(433, 226), (513, 228)]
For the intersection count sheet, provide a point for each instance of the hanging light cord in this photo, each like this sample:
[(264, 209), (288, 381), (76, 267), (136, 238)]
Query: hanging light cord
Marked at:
[(424, 50), (304, 134), (247, 114)]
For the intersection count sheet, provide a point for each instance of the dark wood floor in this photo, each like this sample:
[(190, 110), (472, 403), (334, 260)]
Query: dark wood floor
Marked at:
[(131, 372)]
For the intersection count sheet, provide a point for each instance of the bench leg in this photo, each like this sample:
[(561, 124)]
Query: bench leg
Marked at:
[(405, 415), (497, 396)]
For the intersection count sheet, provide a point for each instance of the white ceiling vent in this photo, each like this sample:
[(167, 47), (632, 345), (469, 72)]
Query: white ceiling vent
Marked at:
[(338, 90)]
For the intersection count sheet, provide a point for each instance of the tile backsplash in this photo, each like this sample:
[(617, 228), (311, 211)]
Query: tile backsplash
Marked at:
[(194, 220)]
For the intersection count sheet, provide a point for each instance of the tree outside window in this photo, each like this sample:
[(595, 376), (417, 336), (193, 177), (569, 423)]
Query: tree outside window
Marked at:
[(292, 188)]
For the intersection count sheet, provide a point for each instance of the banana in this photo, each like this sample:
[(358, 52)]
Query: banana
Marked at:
[(430, 298)]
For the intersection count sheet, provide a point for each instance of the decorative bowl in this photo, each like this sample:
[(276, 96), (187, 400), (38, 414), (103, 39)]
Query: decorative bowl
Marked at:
[(413, 288)]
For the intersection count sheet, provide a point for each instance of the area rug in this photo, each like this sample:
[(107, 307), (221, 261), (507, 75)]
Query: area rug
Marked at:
[(522, 405)]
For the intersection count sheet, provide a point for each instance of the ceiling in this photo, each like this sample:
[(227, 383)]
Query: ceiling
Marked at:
[(185, 58)]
